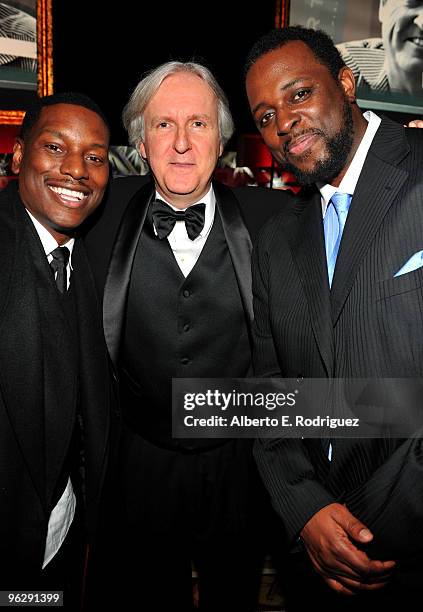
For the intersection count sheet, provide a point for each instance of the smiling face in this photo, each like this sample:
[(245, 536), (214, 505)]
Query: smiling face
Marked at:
[(304, 115), (402, 34), (182, 141), (63, 167)]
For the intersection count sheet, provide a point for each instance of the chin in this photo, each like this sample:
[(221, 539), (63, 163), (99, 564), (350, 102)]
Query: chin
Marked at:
[(179, 189)]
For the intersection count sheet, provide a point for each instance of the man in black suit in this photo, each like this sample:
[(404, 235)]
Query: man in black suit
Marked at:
[(54, 378), (178, 303), (337, 285)]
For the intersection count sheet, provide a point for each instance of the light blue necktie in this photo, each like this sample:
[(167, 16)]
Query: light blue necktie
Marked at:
[(333, 225)]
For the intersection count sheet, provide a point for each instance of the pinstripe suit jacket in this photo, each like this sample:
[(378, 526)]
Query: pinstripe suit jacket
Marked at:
[(369, 324)]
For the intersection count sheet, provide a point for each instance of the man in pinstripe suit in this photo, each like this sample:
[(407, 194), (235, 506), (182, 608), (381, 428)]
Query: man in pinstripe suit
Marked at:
[(354, 515)]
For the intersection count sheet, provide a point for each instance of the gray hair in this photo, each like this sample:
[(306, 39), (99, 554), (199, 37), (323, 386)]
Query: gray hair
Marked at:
[(133, 113)]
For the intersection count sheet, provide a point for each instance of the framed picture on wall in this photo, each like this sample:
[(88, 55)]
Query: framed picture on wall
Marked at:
[(25, 55), (380, 40)]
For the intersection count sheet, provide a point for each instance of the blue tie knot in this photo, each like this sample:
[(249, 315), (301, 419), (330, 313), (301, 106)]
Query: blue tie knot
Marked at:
[(341, 202), (333, 224)]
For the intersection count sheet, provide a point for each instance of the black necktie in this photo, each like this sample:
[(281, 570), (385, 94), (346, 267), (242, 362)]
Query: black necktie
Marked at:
[(59, 265), (164, 219)]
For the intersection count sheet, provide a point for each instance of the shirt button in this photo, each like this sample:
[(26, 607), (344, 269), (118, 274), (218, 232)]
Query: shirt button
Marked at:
[(185, 360), (186, 327), (186, 293)]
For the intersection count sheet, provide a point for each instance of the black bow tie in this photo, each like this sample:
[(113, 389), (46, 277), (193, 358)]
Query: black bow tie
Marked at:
[(164, 219)]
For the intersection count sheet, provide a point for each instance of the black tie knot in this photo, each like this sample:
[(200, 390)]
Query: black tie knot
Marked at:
[(59, 264), (164, 219)]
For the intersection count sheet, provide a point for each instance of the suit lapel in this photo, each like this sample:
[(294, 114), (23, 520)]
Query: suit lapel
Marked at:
[(33, 306), (21, 354), (94, 372), (376, 191), (307, 246), (59, 362), (119, 273), (239, 243)]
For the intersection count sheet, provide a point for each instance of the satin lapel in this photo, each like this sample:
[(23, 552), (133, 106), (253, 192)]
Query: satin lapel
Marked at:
[(377, 188), (119, 273), (239, 243), (308, 251)]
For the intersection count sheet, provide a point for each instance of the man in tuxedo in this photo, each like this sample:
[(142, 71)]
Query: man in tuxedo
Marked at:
[(178, 303), (337, 285), (55, 397)]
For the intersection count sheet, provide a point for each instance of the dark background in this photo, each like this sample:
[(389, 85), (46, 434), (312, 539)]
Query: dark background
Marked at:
[(102, 48)]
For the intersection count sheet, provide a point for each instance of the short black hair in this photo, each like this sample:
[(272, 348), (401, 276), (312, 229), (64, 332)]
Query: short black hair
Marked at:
[(70, 97), (318, 42)]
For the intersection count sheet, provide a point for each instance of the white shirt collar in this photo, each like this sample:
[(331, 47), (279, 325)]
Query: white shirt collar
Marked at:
[(352, 175), (209, 199), (49, 243)]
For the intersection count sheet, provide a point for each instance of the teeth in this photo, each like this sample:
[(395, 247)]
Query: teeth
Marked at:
[(68, 192)]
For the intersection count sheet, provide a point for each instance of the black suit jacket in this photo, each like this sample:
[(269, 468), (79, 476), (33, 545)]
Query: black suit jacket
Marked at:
[(112, 241), (38, 361), (369, 325)]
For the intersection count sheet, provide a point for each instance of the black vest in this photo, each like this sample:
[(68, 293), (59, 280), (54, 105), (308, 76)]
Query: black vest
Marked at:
[(73, 462), (179, 327)]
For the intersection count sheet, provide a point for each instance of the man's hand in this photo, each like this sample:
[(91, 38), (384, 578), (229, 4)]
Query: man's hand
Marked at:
[(328, 537), (416, 123)]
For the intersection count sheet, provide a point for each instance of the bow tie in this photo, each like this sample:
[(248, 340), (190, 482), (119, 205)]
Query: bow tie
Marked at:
[(164, 219)]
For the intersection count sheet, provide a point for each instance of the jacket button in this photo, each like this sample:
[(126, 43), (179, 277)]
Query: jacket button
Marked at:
[(186, 327), (185, 360), (186, 293)]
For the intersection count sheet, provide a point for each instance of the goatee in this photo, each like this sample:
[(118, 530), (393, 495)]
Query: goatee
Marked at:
[(338, 148)]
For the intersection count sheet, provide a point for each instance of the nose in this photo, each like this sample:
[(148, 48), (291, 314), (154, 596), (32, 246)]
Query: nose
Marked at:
[(74, 165), (285, 120), (419, 20), (182, 142)]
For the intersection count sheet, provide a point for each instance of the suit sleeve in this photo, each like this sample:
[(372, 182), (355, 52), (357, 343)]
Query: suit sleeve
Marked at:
[(265, 360), (390, 503), (284, 463)]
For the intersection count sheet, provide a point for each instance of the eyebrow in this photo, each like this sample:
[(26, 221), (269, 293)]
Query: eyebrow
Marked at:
[(190, 118), (283, 88), (57, 134)]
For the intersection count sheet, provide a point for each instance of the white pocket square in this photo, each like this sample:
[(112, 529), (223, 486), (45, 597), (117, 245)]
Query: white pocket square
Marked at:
[(415, 262)]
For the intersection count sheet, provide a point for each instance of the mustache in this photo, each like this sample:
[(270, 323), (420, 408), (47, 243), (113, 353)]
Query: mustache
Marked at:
[(297, 135)]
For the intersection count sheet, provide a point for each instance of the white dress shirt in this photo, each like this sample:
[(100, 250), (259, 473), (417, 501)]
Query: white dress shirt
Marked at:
[(185, 250), (63, 513), (350, 179)]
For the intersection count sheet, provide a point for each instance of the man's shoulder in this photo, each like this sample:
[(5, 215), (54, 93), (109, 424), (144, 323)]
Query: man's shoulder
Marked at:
[(127, 186), (259, 204), (9, 198), (119, 193), (394, 142), (281, 226)]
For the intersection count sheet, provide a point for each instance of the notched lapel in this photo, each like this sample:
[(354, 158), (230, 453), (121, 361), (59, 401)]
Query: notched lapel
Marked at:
[(376, 191), (94, 371), (308, 252), (239, 243), (119, 273)]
